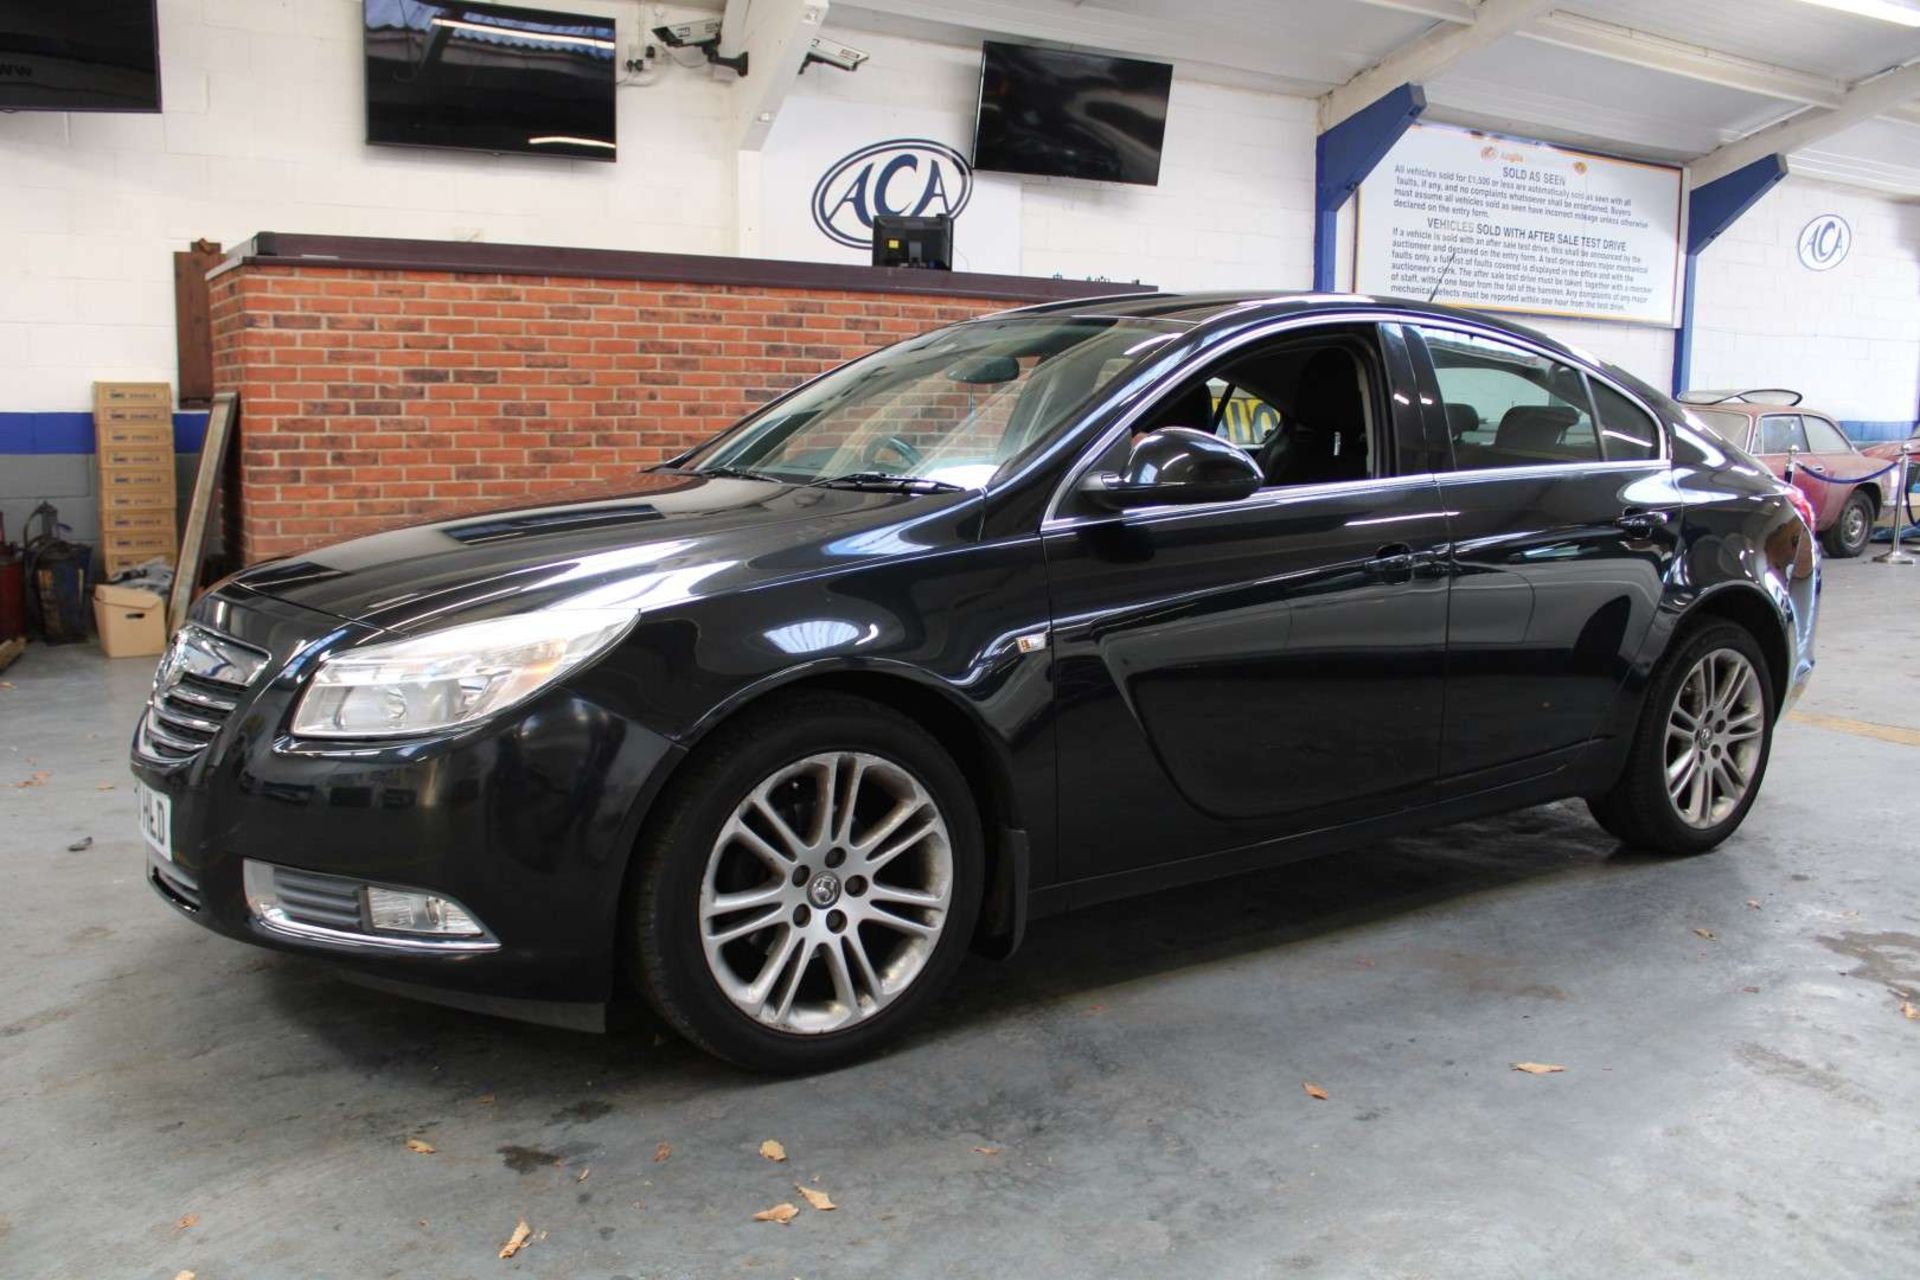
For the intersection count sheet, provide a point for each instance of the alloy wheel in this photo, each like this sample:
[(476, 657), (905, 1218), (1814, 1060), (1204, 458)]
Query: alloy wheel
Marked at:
[(826, 892), (1714, 737)]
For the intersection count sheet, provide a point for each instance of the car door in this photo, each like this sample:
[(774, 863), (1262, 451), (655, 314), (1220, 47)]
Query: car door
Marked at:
[(1781, 438), (1829, 449), (1229, 673), (1564, 523)]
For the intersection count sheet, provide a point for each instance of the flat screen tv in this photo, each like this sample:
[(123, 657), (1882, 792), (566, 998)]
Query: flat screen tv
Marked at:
[(490, 77), (79, 55), (1056, 113)]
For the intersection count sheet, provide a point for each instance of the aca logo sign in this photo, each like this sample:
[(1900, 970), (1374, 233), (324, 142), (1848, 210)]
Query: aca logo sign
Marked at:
[(1824, 242), (916, 177)]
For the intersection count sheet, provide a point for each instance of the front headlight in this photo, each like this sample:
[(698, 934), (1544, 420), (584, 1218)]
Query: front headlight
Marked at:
[(451, 677)]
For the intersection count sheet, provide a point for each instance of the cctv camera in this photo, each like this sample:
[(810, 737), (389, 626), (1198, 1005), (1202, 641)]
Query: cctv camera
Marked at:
[(684, 34), (834, 54)]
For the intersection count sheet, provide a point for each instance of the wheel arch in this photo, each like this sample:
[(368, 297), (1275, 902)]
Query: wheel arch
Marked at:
[(1749, 608), (987, 770)]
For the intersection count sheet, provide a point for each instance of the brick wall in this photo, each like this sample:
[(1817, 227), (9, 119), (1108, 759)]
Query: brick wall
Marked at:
[(376, 398)]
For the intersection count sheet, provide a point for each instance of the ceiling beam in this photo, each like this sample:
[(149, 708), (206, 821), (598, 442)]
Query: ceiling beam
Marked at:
[(1630, 45), (1117, 31), (1862, 102), (1460, 11), (774, 37), (1428, 56), (1676, 57)]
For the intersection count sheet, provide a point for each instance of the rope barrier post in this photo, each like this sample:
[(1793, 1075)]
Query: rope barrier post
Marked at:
[(1893, 554)]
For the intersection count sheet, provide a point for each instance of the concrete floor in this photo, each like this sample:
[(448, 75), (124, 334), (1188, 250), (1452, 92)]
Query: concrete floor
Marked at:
[(1736, 1105)]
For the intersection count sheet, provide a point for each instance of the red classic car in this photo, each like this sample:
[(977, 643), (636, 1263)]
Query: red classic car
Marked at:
[(1773, 426)]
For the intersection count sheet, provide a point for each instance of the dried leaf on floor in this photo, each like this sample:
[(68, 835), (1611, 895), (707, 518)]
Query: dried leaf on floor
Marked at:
[(661, 1152), (183, 1275), (1752, 991), (986, 1151), (773, 1151), (1539, 1068), (818, 1199), (582, 1175), (782, 1213), (186, 1221), (484, 1100), (419, 1148), (105, 786), (1314, 1090), (1909, 1011), (81, 845), (35, 779), (517, 1241), (1754, 903), (1708, 934)]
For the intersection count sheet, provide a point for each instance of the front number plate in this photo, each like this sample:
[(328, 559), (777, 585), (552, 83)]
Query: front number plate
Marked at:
[(156, 819)]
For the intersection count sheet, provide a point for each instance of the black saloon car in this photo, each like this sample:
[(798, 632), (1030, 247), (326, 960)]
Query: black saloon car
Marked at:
[(1037, 610)]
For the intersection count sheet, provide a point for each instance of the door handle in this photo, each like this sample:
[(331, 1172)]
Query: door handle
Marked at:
[(1642, 523), (1395, 560)]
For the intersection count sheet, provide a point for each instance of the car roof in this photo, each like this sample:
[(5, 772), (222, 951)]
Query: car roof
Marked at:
[(1253, 306), (1749, 409)]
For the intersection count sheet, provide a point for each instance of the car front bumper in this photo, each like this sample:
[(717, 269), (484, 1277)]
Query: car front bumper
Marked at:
[(527, 821)]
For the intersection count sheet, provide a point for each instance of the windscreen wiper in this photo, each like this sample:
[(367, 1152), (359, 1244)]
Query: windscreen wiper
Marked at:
[(884, 480), (730, 473)]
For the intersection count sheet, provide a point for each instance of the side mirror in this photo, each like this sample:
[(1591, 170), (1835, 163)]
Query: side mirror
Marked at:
[(1175, 465)]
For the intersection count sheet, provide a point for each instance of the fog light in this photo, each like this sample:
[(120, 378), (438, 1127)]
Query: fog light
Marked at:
[(395, 911)]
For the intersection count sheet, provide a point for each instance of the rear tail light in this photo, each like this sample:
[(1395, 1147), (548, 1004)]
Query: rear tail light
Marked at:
[(1802, 506)]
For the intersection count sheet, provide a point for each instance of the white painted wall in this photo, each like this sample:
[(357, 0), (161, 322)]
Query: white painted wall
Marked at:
[(263, 130), (1234, 207), (1848, 338)]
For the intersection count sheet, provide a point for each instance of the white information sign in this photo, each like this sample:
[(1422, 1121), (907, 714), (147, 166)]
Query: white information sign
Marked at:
[(1528, 227)]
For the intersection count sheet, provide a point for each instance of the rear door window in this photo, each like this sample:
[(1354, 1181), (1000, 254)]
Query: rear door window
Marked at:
[(1626, 430), (1507, 407), (1780, 432), (1823, 436), (1731, 427)]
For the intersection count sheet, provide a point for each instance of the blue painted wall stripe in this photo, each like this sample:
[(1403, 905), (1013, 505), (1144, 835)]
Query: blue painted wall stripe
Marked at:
[(72, 432), (1864, 432)]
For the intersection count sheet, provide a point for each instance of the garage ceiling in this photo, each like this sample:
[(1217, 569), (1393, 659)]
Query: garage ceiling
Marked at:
[(1663, 79)]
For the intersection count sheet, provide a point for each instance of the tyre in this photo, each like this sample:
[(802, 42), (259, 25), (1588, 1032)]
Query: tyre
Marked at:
[(1849, 534), (1700, 750), (812, 884)]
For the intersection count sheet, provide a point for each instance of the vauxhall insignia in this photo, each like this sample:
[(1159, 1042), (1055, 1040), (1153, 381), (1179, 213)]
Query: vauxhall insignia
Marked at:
[(913, 176)]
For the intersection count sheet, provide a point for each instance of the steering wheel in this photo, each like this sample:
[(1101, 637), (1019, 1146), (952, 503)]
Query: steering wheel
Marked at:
[(909, 453)]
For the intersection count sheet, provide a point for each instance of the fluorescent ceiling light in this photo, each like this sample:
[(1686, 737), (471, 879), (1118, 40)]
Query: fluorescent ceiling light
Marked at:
[(516, 33), (1893, 11), (562, 140)]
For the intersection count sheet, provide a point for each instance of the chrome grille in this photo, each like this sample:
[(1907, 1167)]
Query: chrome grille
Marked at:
[(198, 684), (327, 901)]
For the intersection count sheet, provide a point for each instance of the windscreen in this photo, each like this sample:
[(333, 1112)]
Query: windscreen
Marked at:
[(951, 407)]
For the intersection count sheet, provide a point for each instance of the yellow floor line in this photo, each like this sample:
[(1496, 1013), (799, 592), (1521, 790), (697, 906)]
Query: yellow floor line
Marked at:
[(1859, 728)]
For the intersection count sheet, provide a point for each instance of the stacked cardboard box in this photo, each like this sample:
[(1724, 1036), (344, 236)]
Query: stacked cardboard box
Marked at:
[(133, 447)]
